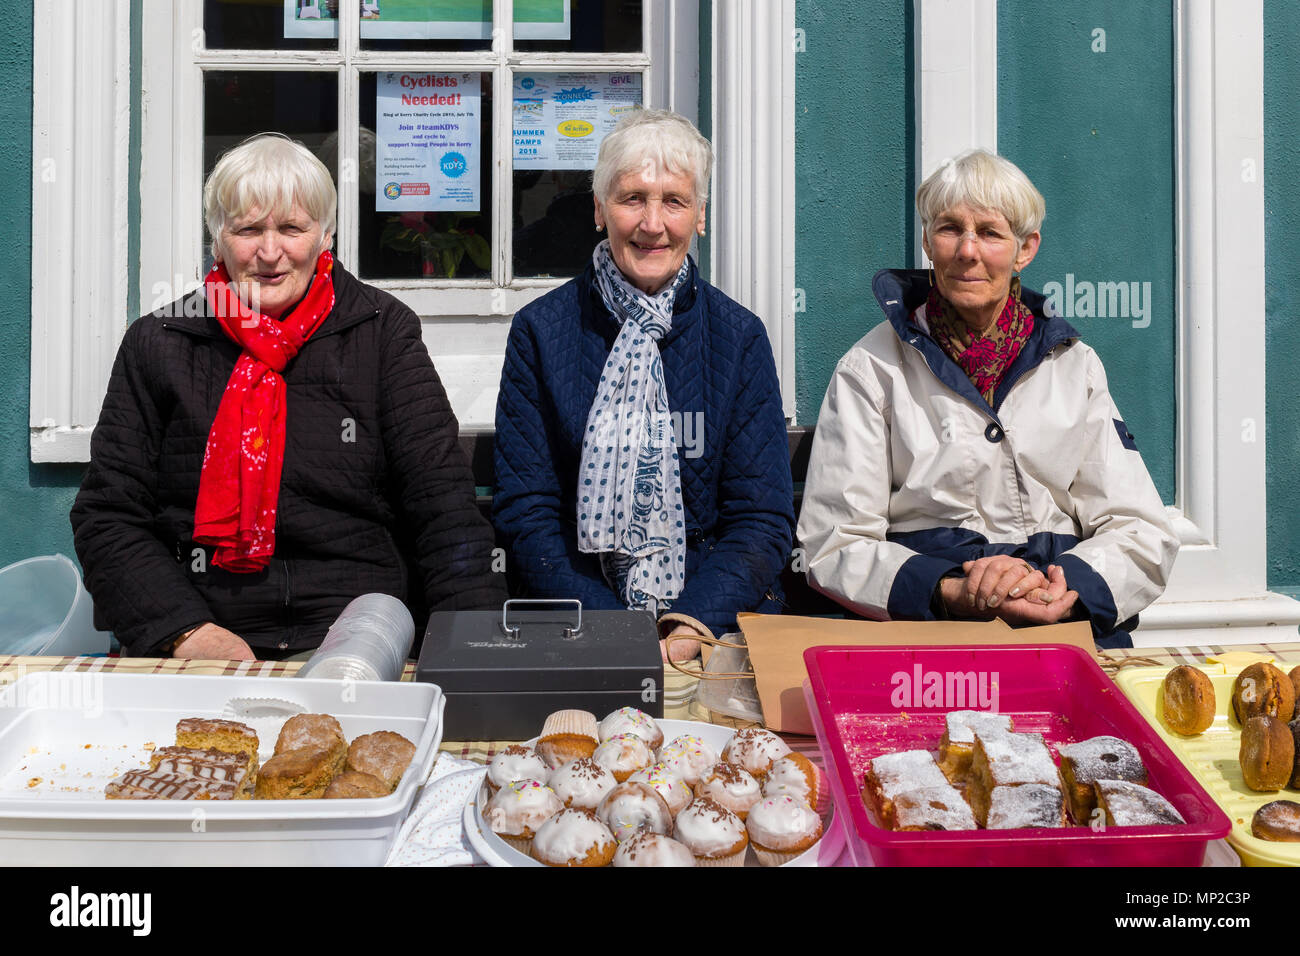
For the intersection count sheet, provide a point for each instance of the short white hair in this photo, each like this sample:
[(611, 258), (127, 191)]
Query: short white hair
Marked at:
[(987, 181), (271, 173), (661, 137)]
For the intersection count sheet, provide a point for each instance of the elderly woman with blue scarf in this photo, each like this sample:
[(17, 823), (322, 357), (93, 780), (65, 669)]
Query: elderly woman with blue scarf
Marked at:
[(641, 455)]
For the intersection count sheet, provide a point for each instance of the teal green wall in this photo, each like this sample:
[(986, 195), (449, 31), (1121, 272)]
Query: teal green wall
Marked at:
[(1282, 289), (853, 175), (1094, 131), (34, 499)]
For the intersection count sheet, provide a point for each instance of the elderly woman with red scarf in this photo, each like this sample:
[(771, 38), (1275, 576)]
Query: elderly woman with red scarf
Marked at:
[(274, 444), (969, 461)]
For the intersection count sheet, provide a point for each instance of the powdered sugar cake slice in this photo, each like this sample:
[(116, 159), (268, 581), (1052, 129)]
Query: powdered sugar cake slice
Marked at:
[(892, 774), (1028, 805), (1099, 758), (958, 743), (1131, 805), (1006, 760), (932, 808)]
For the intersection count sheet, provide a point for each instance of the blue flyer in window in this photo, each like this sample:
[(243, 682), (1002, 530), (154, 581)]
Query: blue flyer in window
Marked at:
[(561, 118), (427, 129)]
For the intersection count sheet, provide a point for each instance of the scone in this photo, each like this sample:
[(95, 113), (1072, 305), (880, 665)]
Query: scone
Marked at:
[(302, 774), (1267, 754), (352, 784), (1187, 697), (384, 755), (314, 732), (1278, 821), (1262, 690)]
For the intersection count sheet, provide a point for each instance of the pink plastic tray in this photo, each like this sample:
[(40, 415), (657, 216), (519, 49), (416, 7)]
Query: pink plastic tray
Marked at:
[(868, 701)]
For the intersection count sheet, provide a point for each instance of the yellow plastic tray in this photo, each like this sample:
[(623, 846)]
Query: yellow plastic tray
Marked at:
[(1212, 756)]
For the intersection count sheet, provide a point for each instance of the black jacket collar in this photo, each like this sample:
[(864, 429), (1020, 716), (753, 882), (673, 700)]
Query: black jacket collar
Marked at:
[(354, 302)]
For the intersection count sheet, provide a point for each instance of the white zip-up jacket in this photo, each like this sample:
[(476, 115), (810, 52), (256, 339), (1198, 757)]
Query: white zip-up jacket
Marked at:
[(912, 473)]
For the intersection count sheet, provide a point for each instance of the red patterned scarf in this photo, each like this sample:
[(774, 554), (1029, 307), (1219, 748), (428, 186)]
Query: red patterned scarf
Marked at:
[(983, 356), (239, 486)]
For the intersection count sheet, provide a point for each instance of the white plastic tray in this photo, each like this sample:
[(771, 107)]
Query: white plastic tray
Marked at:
[(497, 852), (64, 736)]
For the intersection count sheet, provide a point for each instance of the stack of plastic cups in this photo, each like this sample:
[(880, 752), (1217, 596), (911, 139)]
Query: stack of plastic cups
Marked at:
[(369, 641)]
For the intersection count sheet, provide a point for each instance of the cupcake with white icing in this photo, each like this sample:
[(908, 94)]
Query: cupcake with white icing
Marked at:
[(574, 838), (518, 809), (515, 763), (780, 828), (755, 749), (582, 783), (652, 849), (688, 756), (714, 834), (629, 720), (623, 755)]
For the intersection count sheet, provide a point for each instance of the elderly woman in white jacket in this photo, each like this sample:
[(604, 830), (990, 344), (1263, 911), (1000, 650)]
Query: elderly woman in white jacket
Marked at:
[(969, 461)]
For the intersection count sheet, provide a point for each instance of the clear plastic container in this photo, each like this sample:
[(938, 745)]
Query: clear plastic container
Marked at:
[(368, 641), (867, 701), (45, 610)]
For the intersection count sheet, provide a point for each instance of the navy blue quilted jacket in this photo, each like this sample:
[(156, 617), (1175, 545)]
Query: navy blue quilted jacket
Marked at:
[(735, 469)]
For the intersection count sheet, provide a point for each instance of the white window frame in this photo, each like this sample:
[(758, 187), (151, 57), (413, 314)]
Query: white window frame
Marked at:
[(79, 286), (80, 131), (1219, 590), (465, 321)]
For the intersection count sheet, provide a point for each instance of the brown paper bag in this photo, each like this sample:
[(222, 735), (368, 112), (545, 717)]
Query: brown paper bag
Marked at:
[(777, 642)]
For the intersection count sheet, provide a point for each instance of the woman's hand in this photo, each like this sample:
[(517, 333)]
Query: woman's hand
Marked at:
[(1026, 610), (213, 642), (682, 643), (992, 580)]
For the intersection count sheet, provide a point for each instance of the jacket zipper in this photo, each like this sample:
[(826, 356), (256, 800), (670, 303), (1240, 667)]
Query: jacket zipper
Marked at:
[(288, 606)]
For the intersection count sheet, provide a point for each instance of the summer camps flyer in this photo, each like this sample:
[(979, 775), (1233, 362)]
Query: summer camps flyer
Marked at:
[(427, 142), (561, 118)]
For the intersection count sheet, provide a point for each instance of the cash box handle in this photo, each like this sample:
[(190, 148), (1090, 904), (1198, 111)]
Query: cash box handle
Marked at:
[(513, 632)]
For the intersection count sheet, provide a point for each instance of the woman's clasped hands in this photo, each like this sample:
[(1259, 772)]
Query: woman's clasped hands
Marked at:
[(1010, 588)]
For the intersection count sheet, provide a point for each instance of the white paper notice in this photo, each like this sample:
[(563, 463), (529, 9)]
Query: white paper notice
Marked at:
[(561, 118), (427, 142)]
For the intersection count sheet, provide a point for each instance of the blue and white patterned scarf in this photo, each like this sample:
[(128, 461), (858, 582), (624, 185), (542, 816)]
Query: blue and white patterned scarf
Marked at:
[(629, 483)]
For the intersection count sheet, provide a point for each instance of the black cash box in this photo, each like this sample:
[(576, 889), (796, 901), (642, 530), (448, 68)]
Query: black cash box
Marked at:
[(504, 672)]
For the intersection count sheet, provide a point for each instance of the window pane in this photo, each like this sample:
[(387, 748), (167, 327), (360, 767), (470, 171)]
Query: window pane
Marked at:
[(270, 24), (425, 178), (559, 122), (239, 103), (595, 26), (426, 24)]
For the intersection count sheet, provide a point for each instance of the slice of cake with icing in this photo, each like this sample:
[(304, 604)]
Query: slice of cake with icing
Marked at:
[(1099, 758), (892, 774), (958, 742), (1029, 805), (932, 808), (1005, 760)]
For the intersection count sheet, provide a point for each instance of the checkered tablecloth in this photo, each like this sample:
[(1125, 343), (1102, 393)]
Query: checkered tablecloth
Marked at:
[(678, 686)]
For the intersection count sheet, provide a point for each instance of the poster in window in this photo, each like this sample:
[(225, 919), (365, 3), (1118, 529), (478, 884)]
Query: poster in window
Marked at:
[(561, 118), (427, 19), (427, 134)]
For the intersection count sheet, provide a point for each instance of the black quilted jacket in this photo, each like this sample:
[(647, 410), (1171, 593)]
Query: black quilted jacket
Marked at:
[(735, 467), (372, 473)]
